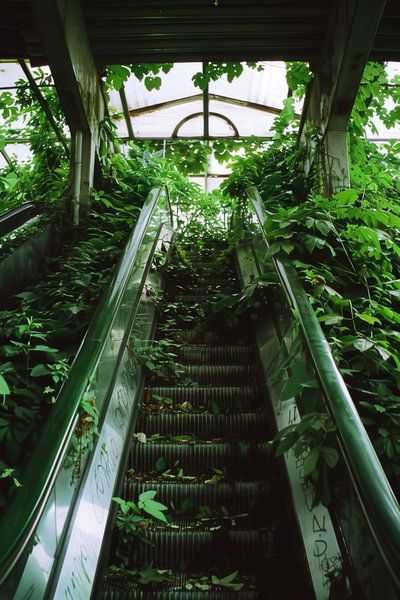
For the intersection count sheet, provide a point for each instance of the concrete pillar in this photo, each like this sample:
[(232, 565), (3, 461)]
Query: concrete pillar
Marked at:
[(336, 162)]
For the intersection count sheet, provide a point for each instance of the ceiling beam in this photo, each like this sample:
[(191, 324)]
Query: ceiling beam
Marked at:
[(201, 114), (206, 106), (125, 109), (44, 104), (185, 99)]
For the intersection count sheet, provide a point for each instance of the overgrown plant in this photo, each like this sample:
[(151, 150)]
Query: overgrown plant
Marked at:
[(159, 358), (346, 249), (45, 177), (134, 518)]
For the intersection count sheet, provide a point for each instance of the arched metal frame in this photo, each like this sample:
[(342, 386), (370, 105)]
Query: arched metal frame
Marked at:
[(200, 114)]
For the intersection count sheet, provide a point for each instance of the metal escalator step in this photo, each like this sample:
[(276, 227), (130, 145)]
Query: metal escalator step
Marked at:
[(221, 374), (188, 298), (192, 335), (201, 288), (198, 549), (241, 461), (251, 497), (135, 593), (206, 426), (213, 355), (233, 397), (184, 321)]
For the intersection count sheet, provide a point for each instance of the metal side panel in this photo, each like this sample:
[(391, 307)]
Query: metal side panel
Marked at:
[(315, 524), (25, 264)]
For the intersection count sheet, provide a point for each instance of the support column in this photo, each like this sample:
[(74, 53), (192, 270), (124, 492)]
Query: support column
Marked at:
[(336, 162), (331, 95), (88, 167), (63, 32)]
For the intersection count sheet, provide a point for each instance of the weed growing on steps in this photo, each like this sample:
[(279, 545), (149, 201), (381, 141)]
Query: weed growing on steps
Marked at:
[(159, 359), (152, 579), (133, 518), (128, 578)]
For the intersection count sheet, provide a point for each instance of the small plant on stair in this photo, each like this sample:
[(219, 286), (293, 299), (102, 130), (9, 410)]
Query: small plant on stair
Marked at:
[(134, 518), (159, 358)]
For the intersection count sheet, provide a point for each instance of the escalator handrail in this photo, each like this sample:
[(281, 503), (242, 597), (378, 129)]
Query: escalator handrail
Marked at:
[(379, 503), (15, 217), (19, 521)]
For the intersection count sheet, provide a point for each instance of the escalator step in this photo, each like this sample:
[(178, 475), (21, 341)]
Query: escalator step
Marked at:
[(206, 426), (191, 335), (233, 397), (251, 497), (112, 592), (221, 374), (200, 298), (212, 355), (197, 550), (202, 288), (244, 460)]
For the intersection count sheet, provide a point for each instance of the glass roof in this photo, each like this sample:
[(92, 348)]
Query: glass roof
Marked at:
[(247, 106), (16, 148)]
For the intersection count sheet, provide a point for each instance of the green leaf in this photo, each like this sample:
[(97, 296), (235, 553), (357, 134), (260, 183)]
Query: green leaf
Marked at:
[(346, 197), (385, 354), (156, 513), (368, 318), (43, 348), (228, 578), (292, 388), (310, 462), (75, 309), (149, 495), (330, 319), (330, 455), (4, 389), (362, 344), (40, 370), (323, 226), (160, 464)]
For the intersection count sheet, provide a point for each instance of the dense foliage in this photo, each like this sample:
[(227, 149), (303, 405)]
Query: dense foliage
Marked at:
[(346, 248), (149, 73), (42, 330), (45, 177)]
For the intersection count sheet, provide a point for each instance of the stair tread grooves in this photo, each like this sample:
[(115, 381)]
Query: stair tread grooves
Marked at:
[(190, 528), (246, 424), (229, 423)]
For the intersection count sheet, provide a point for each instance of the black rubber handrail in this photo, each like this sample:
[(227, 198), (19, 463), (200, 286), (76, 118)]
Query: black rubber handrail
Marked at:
[(23, 513), (15, 217), (378, 501)]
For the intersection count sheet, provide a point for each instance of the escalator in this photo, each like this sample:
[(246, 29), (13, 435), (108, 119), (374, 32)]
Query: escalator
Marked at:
[(239, 523), (215, 473)]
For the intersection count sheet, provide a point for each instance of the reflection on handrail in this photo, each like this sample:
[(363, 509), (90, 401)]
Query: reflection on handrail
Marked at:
[(380, 506), (21, 517), (15, 217)]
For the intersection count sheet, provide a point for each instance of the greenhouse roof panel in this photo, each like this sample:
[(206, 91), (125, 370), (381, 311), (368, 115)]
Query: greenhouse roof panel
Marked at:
[(244, 107)]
